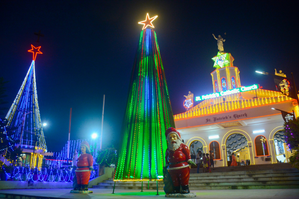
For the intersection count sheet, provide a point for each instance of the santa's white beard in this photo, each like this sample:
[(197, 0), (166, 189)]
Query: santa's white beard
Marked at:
[(174, 145)]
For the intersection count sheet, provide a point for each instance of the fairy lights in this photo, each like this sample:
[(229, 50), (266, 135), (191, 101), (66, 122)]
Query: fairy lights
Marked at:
[(148, 115), (43, 175), (148, 21)]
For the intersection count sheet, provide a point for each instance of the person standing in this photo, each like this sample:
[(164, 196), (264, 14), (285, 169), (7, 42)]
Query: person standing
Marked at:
[(234, 161), (208, 163), (198, 160), (204, 162), (212, 159)]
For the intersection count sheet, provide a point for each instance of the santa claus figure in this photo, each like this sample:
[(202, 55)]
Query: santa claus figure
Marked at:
[(178, 159), (84, 166)]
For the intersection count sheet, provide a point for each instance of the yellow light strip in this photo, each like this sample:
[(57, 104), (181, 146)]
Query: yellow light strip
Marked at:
[(231, 106)]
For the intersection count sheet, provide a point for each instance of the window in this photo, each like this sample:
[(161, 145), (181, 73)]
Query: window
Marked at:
[(223, 84), (261, 146), (215, 148)]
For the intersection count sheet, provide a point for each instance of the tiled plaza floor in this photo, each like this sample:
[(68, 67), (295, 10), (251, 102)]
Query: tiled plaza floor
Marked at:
[(134, 194)]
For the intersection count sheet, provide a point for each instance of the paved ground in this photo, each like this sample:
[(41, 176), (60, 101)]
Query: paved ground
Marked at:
[(134, 194)]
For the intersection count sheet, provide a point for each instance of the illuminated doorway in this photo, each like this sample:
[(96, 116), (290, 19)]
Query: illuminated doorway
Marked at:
[(237, 143), (195, 146)]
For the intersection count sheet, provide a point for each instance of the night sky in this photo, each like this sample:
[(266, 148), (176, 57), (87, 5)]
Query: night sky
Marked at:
[(89, 49)]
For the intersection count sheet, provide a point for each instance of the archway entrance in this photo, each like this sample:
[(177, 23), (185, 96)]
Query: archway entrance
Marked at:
[(195, 146), (282, 151), (237, 143)]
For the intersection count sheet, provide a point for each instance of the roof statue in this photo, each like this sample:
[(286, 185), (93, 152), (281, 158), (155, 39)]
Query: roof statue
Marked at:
[(189, 96), (220, 41), (281, 74)]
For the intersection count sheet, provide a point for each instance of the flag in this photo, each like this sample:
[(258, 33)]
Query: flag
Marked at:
[(285, 85), (287, 116)]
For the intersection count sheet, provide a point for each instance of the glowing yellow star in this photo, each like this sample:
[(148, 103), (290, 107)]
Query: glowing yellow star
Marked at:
[(148, 21), (35, 50)]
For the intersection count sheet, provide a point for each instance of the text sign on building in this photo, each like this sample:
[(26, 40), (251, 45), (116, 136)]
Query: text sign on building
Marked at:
[(228, 92)]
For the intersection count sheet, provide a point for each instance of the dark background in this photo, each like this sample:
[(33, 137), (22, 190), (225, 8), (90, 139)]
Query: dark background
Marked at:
[(89, 48)]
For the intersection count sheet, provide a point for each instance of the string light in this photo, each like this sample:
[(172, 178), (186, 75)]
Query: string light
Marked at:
[(46, 175)]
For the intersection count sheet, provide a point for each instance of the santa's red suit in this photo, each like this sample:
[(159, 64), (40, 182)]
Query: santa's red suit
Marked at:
[(84, 166), (178, 168)]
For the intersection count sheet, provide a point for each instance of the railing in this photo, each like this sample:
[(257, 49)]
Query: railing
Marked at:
[(234, 105), (45, 175)]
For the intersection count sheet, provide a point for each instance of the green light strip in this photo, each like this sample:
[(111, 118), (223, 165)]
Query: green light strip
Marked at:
[(228, 92), (148, 115)]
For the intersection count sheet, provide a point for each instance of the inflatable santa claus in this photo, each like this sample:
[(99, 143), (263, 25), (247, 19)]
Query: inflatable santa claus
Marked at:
[(84, 166), (178, 159)]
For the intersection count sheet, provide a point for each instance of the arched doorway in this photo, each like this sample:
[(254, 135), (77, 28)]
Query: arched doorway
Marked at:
[(238, 144), (195, 146), (282, 151), (280, 146)]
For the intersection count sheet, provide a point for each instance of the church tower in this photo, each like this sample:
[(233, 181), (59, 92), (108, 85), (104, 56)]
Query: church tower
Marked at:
[(226, 76)]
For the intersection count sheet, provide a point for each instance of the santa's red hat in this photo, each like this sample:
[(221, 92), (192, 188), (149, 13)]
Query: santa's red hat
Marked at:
[(85, 143), (172, 130)]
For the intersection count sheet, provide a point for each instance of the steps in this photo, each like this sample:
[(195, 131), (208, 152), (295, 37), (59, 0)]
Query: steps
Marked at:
[(257, 177)]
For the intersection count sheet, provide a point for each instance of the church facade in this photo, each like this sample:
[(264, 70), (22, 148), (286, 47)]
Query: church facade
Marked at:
[(244, 120)]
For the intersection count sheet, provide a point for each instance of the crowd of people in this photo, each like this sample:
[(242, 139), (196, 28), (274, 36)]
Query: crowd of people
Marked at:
[(206, 160)]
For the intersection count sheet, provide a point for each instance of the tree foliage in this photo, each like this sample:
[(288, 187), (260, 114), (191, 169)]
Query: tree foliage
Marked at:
[(292, 133), (107, 157)]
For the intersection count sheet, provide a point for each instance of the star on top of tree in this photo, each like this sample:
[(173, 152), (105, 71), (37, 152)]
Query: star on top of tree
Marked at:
[(35, 50), (148, 21)]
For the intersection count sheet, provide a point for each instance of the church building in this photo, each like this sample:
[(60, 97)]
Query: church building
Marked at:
[(244, 120)]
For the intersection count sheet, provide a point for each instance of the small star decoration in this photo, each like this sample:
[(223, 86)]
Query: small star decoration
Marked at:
[(148, 21), (35, 50)]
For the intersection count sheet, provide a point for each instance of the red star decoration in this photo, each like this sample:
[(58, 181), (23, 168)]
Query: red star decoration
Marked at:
[(35, 50), (148, 21)]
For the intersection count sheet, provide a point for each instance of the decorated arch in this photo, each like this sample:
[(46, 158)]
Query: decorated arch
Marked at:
[(196, 139), (224, 147)]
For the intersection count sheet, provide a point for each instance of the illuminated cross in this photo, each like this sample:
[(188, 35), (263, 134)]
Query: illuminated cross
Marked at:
[(263, 141), (35, 50), (148, 21)]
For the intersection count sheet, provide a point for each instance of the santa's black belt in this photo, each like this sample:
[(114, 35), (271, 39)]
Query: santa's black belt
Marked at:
[(176, 162), (83, 167)]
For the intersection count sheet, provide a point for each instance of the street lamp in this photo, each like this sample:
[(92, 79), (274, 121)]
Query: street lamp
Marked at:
[(94, 135), (262, 72), (45, 124)]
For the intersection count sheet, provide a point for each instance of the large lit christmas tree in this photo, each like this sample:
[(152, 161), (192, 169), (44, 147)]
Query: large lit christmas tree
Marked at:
[(148, 113), (24, 119)]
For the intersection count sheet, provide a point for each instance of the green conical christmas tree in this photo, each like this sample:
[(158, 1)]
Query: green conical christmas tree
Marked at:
[(148, 114)]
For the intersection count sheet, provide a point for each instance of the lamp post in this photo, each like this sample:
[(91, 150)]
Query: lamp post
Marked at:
[(94, 137), (280, 74)]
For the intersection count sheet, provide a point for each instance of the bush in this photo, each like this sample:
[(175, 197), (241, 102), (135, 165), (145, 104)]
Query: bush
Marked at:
[(107, 157), (294, 159)]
